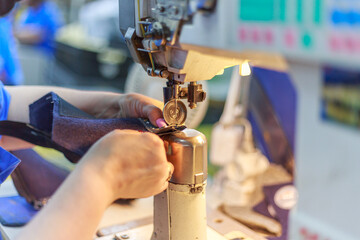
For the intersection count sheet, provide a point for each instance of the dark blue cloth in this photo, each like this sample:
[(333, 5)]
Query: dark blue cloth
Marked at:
[(45, 18), (283, 97), (72, 128), (7, 161), (10, 71), (4, 102), (281, 215), (15, 211)]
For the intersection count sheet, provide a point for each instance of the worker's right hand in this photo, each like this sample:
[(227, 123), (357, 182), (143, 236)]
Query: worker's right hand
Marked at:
[(130, 164)]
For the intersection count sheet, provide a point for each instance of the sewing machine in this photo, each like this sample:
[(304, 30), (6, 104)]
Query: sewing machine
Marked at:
[(187, 41)]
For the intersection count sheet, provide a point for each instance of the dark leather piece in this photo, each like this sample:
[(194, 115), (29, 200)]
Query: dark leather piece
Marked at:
[(36, 179), (33, 135)]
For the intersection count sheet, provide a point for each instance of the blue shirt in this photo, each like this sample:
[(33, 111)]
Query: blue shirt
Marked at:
[(9, 64), (46, 18), (8, 162)]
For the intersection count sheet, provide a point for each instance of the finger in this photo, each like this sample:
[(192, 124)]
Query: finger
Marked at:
[(166, 146), (152, 101), (161, 122), (170, 171), (170, 167), (153, 113), (145, 100), (118, 133), (164, 186)]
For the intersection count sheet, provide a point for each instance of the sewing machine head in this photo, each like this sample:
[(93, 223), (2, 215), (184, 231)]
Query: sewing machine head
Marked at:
[(152, 35)]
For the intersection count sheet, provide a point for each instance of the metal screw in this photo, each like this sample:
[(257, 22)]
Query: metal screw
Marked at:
[(175, 10), (164, 73), (162, 9), (125, 236)]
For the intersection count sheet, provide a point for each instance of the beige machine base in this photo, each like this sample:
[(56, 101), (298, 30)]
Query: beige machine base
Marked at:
[(144, 232), (220, 227)]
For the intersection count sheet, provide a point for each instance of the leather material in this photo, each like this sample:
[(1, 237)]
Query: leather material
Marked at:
[(36, 179), (33, 135)]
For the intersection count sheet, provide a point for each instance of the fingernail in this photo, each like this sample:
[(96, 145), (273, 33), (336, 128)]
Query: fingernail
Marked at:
[(161, 122)]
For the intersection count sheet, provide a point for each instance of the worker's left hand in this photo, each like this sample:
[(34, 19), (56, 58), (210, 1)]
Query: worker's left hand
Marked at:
[(131, 105)]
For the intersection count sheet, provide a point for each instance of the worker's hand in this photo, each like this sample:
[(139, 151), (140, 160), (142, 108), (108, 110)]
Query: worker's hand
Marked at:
[(131, 164), (131, 105)]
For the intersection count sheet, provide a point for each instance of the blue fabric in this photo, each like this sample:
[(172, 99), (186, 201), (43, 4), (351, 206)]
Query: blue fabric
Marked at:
[(72, 128), (4, 103), (46, 18), (10, 70), (15, 211), (8, 163), (282, 94)]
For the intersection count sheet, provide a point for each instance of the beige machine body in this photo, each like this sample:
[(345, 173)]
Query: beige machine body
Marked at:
[(180, 211)]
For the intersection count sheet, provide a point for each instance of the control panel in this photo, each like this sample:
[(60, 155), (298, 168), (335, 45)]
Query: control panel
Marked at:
[(325, 31), (319, 30)]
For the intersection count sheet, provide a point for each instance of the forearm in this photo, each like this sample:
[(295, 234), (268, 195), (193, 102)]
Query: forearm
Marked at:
[(28, 37), (75, 210), (23, 96)]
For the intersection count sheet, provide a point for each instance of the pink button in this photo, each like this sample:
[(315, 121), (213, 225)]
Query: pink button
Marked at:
[(242, 34), (335, 43), (350, 44), (255, 36), (290, 39), (303, 231), (269, 37)]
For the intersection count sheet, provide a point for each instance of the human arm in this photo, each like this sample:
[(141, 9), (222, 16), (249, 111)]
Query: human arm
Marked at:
[(123, 164), (96, 103), (29, 34)]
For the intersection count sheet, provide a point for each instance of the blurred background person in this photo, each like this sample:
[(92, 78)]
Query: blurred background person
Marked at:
[(10, 71), (35, 27), (38, 23)]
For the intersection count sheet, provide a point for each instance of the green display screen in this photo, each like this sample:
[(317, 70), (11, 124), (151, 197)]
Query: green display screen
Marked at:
[(276, 11), (257, 10), (262, 10)]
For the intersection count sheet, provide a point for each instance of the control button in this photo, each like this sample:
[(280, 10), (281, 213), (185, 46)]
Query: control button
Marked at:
[(338, 17), (307, 40), (357, 18), (255, 36), (242, 34), (269, 37), (352, 17), (290, 39), (350, 44), (335, 43)]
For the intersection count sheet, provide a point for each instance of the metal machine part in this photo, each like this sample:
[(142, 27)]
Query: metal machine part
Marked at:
[(172, 93), (180, 211), (152, 39), (187, 151), (175, 112), (161, 131)]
